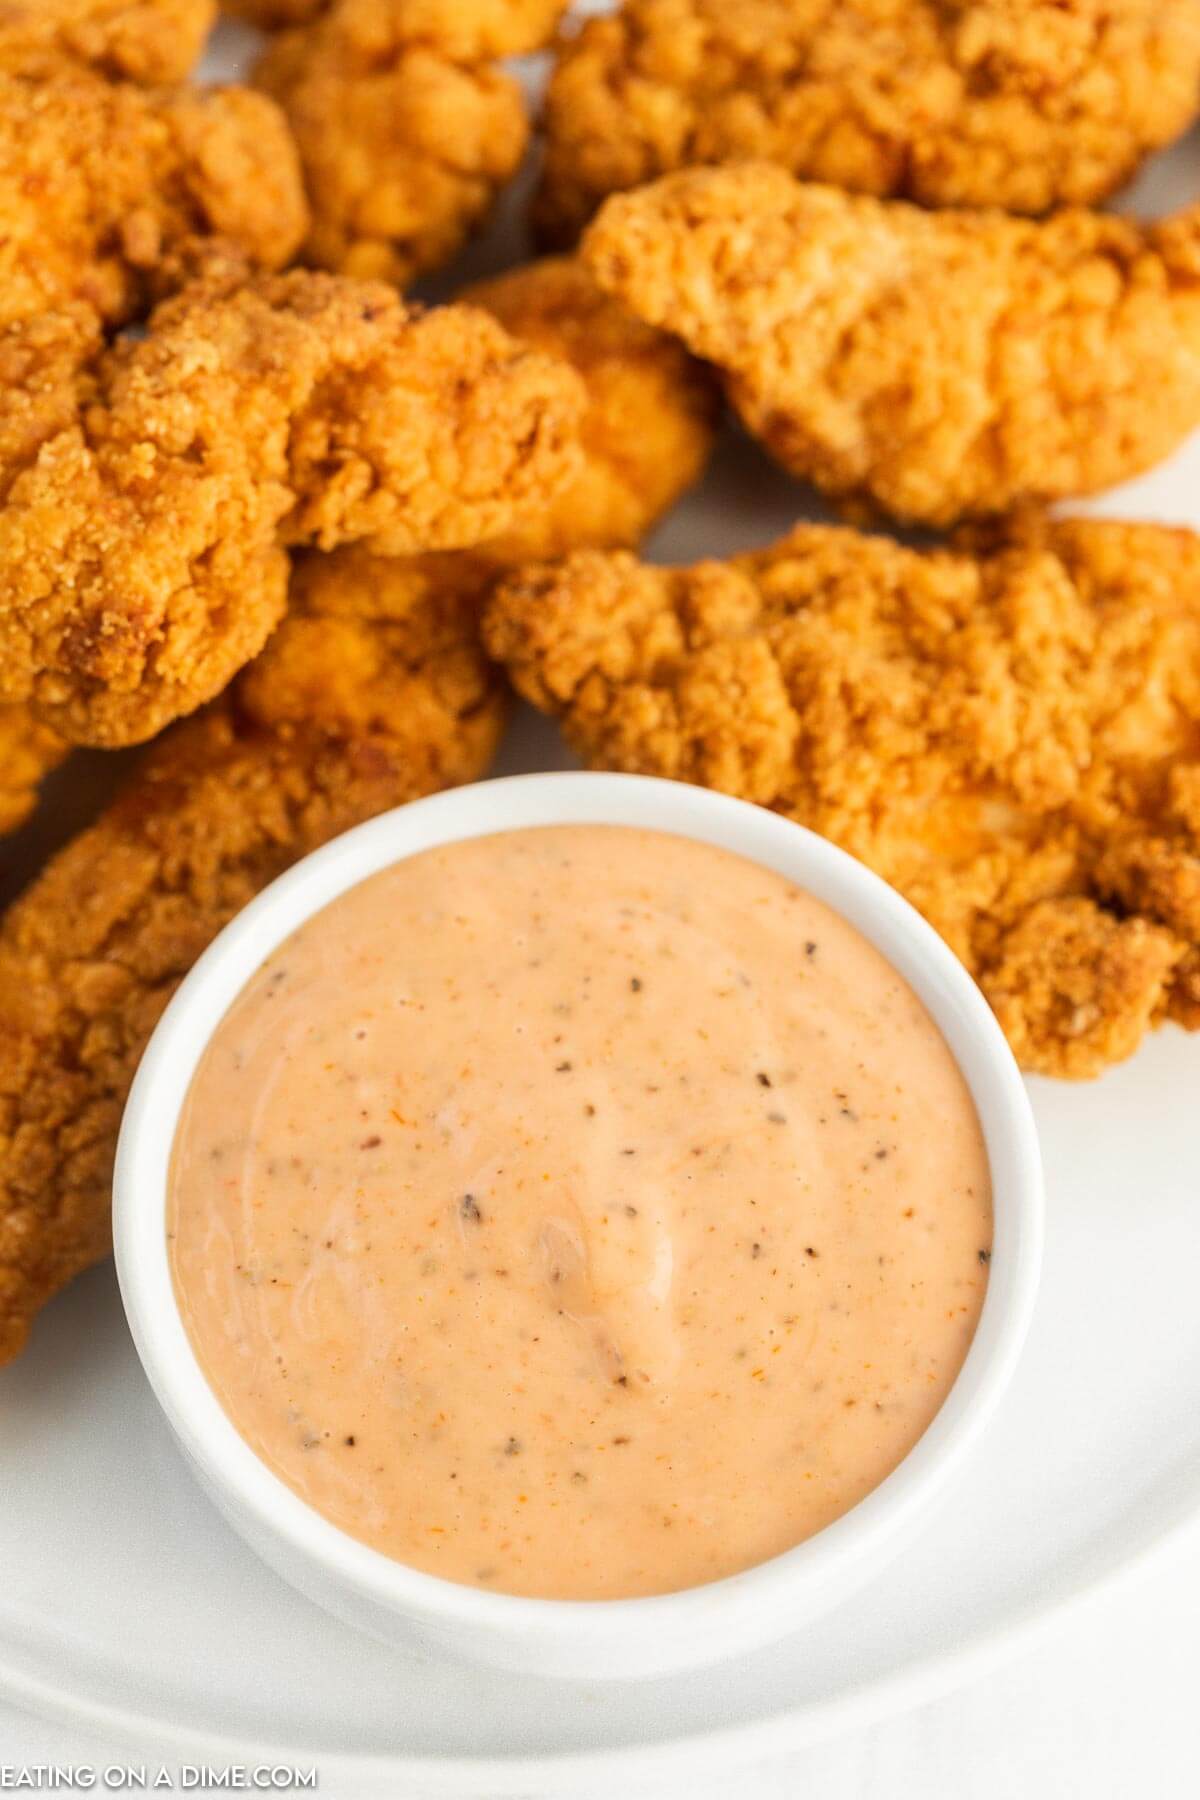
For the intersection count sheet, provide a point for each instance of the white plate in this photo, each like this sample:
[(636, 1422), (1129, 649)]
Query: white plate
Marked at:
[(127, 1607)]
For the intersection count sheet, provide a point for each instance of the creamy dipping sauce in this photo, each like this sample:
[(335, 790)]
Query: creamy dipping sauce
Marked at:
[(580, 1212)]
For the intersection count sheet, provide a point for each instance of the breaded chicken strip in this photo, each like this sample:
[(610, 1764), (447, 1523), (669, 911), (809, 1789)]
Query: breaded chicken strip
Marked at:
[(145, 506), (465, 29), (28, 750), (647, 430), (149, 41), (405, 133), (364, 698), (468, 30), (110, 194), (1021, 104), (651, 410), (933, 364), (1008, 731)]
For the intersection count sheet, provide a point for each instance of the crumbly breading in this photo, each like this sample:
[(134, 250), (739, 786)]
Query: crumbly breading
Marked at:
[(1008, 731), (148, 488), (111, 194), (933, 365), (470, 30), (28, 750), (404, 147), (365, 698), (1021, 104), (650, 419), (150, 41), (647, 429)]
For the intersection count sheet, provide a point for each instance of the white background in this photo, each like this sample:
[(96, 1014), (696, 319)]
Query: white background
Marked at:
[(1102, 1707)]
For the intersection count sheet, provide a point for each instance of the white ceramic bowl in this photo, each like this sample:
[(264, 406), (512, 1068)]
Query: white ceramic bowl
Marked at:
[(556, 1637)]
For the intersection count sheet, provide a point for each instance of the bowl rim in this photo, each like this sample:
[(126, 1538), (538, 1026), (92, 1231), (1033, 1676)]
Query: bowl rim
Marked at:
[(914, 949)]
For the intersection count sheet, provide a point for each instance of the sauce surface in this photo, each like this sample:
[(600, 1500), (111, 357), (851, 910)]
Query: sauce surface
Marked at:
[(581, 1212)]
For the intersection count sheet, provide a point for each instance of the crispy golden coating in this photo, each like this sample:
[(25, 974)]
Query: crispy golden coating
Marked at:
[(372, 692), (150, 41), (647, 430), (28, 750), (144, 510), (651, 410), (110, 194), (933, 365), (405, 140), (1021, 104), (1008, 731), (470, 30)]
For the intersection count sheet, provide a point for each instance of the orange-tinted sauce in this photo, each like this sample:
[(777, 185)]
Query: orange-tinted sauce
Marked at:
[(580, 1212)]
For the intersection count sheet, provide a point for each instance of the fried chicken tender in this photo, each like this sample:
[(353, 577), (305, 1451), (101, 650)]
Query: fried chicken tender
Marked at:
[(933, 365), (1020, 104), (1007, 730), (647, 431), (150, 41), (651, 412), (28, 750), (146, 505), (468, 29), (406, 133), (366, 697), (110, 194)]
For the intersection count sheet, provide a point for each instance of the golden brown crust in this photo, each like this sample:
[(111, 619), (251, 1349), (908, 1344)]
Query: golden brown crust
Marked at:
[(1020, 104), (28, 750), (468, 30), (140, 559), (151, 41), (932, 365), (1076, 988), (651, 410), (1007, 731), (110, 194), (404, 146)]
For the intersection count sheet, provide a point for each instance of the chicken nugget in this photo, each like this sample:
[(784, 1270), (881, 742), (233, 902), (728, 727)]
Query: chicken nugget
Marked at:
[(932, 365), (406, 134), (651, 412), (1008, 731), (150, 41), (468, 30), (1021, 104), (145, 509), (110, 195)]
